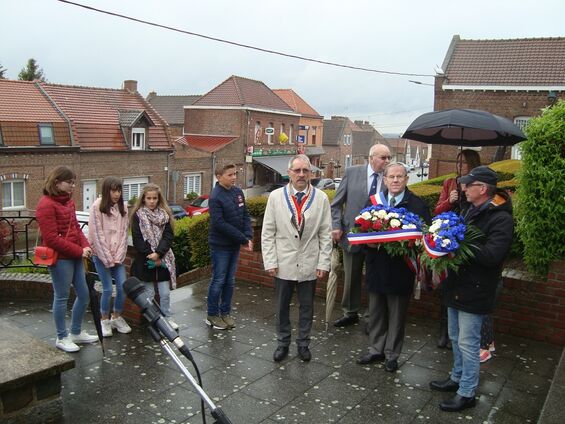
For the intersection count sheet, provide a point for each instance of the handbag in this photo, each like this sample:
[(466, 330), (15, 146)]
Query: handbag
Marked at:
[(44, 255)]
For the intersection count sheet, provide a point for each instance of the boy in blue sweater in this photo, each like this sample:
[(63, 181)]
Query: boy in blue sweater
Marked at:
[(230, 228)]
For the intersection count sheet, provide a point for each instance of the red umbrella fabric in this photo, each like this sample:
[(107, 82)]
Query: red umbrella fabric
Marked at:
[(464, 127)]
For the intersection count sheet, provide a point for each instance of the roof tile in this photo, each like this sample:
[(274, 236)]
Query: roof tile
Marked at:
[(296, 103)]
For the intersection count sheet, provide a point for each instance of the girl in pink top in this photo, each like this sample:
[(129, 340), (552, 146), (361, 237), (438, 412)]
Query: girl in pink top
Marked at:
[(107, 234)]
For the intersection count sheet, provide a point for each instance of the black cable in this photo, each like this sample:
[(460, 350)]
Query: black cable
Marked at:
[(246, 46)]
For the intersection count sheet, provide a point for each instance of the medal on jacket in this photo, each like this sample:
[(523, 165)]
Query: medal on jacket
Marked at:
[(297, 210)]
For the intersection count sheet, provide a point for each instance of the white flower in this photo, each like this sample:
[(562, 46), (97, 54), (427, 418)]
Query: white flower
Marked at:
[(434, 227), (409, 227), (395, 223), (366, 215), (381, 214), (446, 242)]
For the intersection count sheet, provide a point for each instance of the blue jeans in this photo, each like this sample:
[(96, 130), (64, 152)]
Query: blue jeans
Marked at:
[(220, 291), (164, 295), (118, 273), (465, 334), (64, 273)]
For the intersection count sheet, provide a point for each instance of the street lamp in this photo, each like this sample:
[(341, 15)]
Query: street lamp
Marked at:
[(420, 83), (423, 171)]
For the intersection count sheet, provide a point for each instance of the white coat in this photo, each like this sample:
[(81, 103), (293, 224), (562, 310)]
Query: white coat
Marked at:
[(296, 258)]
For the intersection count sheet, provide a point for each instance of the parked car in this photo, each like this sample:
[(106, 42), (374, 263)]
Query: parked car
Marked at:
[(326, 184), (198, 206), (272, 187), (178, 211), (337, 182)]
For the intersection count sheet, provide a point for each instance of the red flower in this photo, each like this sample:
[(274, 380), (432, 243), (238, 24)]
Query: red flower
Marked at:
[(365, 225), (377, 225)]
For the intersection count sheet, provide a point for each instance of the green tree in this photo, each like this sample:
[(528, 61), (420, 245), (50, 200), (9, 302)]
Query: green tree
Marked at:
[(31, 72), (540, 197), (2, 72)]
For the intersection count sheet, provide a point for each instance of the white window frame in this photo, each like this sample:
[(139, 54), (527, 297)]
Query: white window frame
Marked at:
[(270, 136), (138, 139), (135, 183), (348, 160), (191, 186), (45, 139), (290, 133), (346, 139), (10, 184), (521, 122)]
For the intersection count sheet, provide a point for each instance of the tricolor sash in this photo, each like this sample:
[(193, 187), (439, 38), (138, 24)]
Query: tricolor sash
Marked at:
[(297, 209), (379, 199)]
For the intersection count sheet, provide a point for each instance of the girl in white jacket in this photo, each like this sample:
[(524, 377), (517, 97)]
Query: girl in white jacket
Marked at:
[(107, 234)]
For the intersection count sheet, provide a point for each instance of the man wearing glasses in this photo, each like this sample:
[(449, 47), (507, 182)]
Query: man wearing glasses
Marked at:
[(296, 247), (470, 293), (358, 184)]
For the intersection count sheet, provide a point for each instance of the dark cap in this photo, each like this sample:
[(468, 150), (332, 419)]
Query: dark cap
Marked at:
[(481, 173)]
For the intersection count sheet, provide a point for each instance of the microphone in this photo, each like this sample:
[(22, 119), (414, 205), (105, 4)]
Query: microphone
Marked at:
[(136, 291)]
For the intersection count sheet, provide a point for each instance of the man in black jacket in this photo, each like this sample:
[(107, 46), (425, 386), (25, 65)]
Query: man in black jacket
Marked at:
[(390, 280), (470, 293), (230, 229)]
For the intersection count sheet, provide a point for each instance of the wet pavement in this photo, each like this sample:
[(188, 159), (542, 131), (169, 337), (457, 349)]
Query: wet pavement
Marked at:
[(137, 382)]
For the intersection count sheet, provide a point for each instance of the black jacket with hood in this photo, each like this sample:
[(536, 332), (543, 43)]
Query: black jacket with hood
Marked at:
[(473, 288)]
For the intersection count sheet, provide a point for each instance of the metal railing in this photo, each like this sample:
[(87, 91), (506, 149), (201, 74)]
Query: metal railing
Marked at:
[(19, 235)]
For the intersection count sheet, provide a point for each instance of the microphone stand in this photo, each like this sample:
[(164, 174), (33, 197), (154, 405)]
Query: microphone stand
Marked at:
[(216, 412)]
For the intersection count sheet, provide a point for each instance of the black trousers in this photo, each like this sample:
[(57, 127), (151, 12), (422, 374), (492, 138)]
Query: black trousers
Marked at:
[(305, 292)]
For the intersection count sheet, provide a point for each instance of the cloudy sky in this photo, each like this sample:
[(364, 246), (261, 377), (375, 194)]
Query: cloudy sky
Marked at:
[(81, 47)]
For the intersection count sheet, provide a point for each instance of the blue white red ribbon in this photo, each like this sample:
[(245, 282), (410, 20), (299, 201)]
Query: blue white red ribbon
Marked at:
[(432, 253), (384, 236)]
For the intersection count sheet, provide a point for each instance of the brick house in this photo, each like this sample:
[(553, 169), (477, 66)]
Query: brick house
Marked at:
[(513, 78), (254, 118), (311, 125), (95, 131), (171, 108), (337, 143), (410, 152), (363, 138)]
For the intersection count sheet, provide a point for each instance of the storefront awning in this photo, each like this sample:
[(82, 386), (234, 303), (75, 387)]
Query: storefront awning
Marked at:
[(279, 164)]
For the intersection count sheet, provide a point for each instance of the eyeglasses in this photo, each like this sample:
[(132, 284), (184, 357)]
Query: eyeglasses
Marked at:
[(301, 171), (474, 184), (382, 157)]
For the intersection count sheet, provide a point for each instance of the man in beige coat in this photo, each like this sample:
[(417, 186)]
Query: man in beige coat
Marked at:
[(296, 246)]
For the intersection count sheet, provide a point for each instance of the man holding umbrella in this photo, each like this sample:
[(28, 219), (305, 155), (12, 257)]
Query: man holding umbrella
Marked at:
[(470, 293)]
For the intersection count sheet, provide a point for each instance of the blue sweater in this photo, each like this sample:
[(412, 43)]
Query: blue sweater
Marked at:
[(230, 226)]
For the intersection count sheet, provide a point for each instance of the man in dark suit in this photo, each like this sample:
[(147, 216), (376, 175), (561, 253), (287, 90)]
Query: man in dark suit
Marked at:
[(390, 280), (358, 183)]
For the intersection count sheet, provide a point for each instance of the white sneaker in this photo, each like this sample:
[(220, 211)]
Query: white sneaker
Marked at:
[(173, 324), (121, 325), (66, 344), (106, 328), (83, 337)]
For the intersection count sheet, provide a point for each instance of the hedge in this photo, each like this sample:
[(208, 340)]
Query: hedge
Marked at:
[(190, 244)]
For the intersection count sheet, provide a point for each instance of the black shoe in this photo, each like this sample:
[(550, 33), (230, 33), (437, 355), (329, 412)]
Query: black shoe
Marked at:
[(370, 358), (457, 403), (280, 353), (304, 353), (346, 321), (447, 385), (391, 365)]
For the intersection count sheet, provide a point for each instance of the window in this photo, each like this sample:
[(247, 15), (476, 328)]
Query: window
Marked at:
[(1, 140), (193, 183), (346, 139), (270, 131), (132, 187), (521, 122), (13, 194), (314, 135), (138, 139), (282, 131), (290, 134), (347, 161), (46, 134), (258, 132)]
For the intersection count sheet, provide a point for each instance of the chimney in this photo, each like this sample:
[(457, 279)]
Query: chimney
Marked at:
[(130, 85), (151, 95)]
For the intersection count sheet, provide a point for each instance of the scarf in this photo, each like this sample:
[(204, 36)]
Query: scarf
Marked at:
[(152, 224)]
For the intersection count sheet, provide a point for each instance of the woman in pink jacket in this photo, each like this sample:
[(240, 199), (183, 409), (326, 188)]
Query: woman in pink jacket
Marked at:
[(108, 235)]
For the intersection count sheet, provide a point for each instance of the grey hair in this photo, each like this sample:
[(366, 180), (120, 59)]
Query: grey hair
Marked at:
[(301, 157), (491, 189), (390, 165), (375, 147)]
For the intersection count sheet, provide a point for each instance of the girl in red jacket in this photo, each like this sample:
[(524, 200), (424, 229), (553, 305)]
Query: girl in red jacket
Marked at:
[(61, 232)]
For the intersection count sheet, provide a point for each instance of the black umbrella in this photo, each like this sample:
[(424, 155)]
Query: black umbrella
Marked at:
[(94, 302), (464, 127)]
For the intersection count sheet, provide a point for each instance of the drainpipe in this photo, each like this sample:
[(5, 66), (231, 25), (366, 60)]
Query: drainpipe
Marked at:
[(168, 176), (213, 171)]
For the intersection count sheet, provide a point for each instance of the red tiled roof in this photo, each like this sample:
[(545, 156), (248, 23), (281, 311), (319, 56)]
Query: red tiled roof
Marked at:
[(297, 103), (207, 143), (244, 92), (22, 101), (95, 117), (517, 62)]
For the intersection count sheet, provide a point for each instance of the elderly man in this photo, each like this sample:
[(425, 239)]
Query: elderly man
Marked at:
[(390, 280), (296, 246), (470, 293), (358, 184)]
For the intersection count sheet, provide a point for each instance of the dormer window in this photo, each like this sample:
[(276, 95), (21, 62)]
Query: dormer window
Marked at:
[(46, 134), (138, 139)]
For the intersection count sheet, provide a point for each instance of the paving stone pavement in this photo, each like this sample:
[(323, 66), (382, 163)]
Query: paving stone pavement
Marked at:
[(136, 382)]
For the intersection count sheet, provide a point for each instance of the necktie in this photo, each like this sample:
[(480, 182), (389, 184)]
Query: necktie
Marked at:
[(373, 189), (299, 196), (392, 202)]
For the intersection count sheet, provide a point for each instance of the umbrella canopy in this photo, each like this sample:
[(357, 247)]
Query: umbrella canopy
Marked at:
[(464, 127), (331, 288), (94, 302)]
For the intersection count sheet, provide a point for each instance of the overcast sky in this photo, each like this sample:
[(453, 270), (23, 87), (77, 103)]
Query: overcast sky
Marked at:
[(81, 47)]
